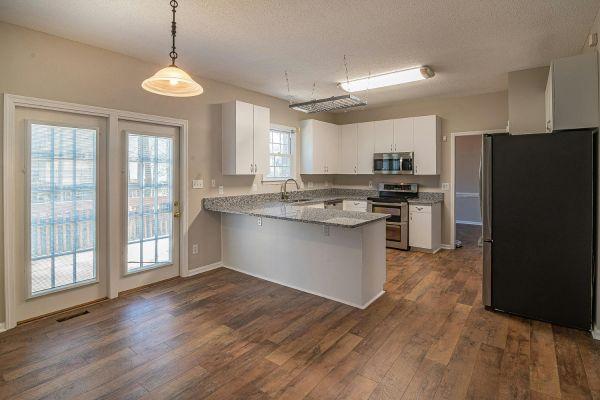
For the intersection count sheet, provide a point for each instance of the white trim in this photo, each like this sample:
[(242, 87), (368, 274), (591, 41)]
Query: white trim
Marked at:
[(205, 268), (362, 307), (113, 116), (458, 221), (447, 246), (453, 136), (2, 327), (596, 333), (466, 195)]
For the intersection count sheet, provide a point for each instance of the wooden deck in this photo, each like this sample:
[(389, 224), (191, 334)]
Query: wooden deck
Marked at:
[(224, 335)]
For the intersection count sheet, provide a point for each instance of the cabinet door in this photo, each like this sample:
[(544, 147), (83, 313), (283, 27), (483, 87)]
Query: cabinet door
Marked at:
[(333, 149), (244, 138), (427, 149), (384, 136), (366, 147), (348, 149), (403, 135), (262, 124), (419, 229)]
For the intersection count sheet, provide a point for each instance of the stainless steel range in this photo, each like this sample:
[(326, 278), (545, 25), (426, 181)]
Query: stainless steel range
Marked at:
[(392, 199)]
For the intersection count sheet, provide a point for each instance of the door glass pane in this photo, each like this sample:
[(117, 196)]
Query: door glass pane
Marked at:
[(149, 201), (62, 206)]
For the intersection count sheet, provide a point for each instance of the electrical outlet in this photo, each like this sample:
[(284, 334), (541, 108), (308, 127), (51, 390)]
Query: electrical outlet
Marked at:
[(197, 184), (259, 222), (445, 186), (444, 138), (325, 230), (370, 184), (221, 189), (213, 183), (254, 187), (195, 248)]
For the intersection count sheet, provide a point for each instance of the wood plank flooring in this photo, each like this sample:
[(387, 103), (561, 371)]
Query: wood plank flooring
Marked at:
[(224, 335)]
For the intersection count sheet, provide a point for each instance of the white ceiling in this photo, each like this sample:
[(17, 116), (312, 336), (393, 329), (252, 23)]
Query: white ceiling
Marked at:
[(471, 44)]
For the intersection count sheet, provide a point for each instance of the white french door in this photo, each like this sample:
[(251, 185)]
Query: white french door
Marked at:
[(60, 196), (151, 203)]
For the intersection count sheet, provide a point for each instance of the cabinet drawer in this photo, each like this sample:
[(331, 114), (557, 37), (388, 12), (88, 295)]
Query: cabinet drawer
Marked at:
[(355, 205), (420, 208)]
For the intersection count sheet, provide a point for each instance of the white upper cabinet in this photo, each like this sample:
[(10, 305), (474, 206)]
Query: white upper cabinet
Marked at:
[(348, 149), (320, 147), (572, 93), (403, 135), (366, 147), (245, 132), (384, 136), (427, 146), (262, 126)]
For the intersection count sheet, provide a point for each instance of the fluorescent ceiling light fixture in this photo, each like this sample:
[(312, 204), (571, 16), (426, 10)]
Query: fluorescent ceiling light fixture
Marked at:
[(389, 79)]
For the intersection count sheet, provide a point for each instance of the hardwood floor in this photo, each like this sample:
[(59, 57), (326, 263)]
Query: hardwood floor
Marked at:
[(224, 335)]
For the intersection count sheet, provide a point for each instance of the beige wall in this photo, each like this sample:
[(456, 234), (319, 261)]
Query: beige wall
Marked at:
[(526, 100), (459, 114), (39, 65), (468, 156)]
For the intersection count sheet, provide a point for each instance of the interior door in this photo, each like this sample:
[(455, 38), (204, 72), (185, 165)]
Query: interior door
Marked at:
[(348, 147), (151, 204), (61, 200)]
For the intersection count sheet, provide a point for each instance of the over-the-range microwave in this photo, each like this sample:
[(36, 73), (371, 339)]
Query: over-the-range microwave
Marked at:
[(393, 163)]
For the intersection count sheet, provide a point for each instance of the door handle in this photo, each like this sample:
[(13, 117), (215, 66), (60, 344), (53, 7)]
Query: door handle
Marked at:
[(176, 210)]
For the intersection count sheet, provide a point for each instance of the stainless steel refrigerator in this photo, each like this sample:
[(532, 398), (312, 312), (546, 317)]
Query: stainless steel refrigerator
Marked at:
[(538, 212)]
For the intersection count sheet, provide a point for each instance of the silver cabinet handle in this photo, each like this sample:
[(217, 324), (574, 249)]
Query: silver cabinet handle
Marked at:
[(251, 167), (255, 167)]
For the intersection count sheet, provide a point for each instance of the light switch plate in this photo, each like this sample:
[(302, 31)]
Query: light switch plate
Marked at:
[(445, 186), (221, 189), (197, 184), (195, 248), (370, 184), (444, 138), (259, 222)]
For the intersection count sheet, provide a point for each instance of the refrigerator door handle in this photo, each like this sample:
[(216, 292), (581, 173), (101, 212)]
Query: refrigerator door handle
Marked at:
[(487, 274), (485, 186)]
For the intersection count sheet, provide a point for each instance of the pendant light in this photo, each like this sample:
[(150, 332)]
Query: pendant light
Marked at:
[(172, 80)]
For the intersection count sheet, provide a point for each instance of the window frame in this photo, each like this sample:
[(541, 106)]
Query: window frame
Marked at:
[(27, 241), (292, 131)]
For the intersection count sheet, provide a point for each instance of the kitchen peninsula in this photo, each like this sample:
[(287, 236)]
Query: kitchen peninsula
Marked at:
[(328, 252)]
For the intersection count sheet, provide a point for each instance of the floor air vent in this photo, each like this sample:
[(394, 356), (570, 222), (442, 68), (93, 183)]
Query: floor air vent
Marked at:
[(67, 317)]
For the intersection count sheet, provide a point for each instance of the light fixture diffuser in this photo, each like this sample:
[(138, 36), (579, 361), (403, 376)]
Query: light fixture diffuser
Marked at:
[(388, 79)]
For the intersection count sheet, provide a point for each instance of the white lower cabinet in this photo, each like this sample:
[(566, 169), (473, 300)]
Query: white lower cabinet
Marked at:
[(425, 227), (354, 205)]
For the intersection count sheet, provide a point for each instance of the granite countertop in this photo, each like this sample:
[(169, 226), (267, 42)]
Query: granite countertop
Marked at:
[(269, 205)]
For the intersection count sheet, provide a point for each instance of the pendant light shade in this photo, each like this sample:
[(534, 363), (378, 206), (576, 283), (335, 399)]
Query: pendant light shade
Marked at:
[(172, 80)]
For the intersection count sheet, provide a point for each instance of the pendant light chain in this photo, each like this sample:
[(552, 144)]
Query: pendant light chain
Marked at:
[(173, 53)]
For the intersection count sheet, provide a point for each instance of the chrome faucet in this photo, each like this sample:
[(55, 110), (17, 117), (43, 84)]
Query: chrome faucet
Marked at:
[(284, 193)]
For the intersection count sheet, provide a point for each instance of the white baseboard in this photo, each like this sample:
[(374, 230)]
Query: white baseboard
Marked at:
[(447, 246), (204, 268), (360, 306), (596, 333), (468, 222), (2, 327)]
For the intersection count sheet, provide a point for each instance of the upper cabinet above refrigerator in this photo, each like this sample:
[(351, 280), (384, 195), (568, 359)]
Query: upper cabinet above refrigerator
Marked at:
[(572, 93)]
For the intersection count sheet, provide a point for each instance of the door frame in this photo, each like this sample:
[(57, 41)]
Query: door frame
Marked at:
[(453, 136), (113, 116)]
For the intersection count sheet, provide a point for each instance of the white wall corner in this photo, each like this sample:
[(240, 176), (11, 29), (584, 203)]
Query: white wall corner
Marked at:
[(2, 326), (204, 268), (596, 333)]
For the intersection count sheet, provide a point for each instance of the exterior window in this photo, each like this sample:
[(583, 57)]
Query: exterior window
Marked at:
[(62, 207), (281, 153), (149, 202)]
